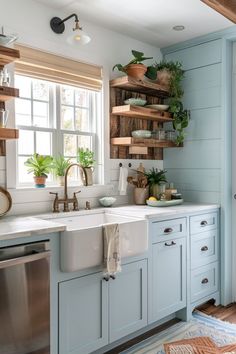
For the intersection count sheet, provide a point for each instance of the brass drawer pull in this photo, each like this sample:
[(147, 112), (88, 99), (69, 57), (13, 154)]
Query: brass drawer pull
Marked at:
[(204, 249), (168, 230), (204, 223), (205, 281), (170, 244)]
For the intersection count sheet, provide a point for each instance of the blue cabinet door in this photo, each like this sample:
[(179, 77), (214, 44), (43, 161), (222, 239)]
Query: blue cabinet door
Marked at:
[(83, 314), (168, 278), (128, 300)]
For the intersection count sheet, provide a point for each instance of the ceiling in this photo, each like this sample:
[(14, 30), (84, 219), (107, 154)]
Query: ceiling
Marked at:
[(150, 21)]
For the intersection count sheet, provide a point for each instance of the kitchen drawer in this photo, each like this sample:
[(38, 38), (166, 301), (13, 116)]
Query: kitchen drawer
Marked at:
[(204, 281), (204, 248), (168, 229), (204, 222)]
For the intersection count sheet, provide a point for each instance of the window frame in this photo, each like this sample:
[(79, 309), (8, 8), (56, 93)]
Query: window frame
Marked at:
[(54, 128)]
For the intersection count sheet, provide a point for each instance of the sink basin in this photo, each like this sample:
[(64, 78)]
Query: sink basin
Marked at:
[(82, 242)]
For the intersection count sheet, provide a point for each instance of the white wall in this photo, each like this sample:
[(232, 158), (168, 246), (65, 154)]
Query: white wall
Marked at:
[(30, 20)]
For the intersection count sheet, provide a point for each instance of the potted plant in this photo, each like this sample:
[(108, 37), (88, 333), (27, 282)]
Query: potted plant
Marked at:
[(155, 178), (40, 166), (85, 158), (59, 166), (135, 67)]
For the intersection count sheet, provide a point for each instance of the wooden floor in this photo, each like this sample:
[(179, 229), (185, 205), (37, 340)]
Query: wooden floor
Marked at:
[(224, 313)]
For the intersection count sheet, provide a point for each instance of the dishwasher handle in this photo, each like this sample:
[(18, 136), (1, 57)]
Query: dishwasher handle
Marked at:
[(25, 259)]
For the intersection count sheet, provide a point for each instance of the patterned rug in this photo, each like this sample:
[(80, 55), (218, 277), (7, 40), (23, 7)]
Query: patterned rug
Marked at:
[(222, 333)]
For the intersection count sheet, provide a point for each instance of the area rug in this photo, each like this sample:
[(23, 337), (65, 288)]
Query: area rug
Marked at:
[(221, 333)]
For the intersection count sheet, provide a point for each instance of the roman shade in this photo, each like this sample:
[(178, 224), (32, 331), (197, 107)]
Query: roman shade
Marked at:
[(42, 65)]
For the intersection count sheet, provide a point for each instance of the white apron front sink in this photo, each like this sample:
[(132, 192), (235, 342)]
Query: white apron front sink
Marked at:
[(82, 242)]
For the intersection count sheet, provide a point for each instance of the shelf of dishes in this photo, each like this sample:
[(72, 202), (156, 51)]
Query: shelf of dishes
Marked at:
[(142, 86), (150, 112)]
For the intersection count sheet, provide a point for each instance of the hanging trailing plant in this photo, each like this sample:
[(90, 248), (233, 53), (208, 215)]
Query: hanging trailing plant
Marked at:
[(174, 75)]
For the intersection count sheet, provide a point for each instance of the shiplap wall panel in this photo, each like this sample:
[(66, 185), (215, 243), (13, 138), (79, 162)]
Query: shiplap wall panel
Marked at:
[(196, 168), (204, 124), (195, 154), (199, 55), (205, 180)]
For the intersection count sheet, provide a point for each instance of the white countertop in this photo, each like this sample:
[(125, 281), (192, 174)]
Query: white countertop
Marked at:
[(164, 212), (15, 227)]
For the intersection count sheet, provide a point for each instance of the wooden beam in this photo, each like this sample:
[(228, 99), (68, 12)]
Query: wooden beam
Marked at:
[(227, 8)]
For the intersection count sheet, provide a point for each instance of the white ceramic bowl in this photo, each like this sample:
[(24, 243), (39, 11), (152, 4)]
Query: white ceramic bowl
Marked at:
[(107, 201), (141, 134), (158, 107)]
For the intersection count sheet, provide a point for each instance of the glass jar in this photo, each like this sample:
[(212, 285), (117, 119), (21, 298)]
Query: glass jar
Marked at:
[(170, 135), (159, 134)]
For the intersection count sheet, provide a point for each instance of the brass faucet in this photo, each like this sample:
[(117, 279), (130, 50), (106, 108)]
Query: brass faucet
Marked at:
[(65, 201)]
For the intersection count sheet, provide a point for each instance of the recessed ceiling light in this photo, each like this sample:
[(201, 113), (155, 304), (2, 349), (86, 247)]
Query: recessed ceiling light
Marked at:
[(178, 28)]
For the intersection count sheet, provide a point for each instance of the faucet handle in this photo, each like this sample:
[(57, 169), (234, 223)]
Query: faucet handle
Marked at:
[(56, 194), (76, 193)]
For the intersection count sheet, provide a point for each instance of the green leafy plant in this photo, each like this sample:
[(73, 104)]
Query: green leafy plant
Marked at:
[(155, 176), (85, 157), (180, 115), (39, 165), (181, 119), (138, 59), (60, 165)]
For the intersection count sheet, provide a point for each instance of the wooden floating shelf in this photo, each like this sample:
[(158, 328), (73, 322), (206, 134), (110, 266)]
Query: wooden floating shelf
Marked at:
[(8, 133), (140, 113), (142, 86), (8, 55), (141, 142), (6, 93)]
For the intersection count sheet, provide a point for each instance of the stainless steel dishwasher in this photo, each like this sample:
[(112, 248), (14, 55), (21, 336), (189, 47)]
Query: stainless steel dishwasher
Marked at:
[(25, 299)]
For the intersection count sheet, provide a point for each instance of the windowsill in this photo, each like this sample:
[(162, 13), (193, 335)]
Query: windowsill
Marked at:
[(61, 188)]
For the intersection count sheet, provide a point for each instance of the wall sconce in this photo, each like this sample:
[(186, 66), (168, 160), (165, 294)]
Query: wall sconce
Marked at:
[(78, 37)]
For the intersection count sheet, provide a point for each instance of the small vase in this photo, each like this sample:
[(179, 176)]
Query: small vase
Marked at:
[(86, 174), (40, 182), (155, 190), (61, 180), (163, 77), (141, 195)]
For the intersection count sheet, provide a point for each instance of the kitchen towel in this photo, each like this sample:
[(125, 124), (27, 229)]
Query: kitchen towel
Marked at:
[(111, 250), (122, 187)]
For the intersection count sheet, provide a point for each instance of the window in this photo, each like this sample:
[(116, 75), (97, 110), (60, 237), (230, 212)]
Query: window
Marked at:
[(53, 119)]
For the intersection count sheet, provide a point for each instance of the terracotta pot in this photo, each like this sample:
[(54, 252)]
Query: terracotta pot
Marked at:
[(40, 182), (86, 174), (136, 71), (163, 77), (141, 195)]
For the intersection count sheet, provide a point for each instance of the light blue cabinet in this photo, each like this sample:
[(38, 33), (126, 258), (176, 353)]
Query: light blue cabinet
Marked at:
[(94, 312), (128, 300), (168, 277), (83, 314)]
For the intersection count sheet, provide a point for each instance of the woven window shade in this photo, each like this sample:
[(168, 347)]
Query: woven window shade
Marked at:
[(42, 65)]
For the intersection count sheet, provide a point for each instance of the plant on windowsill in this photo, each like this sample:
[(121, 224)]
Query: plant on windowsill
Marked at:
[(59, 165), (40, 166), (171, 74), (135, 67), (85, 158)]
